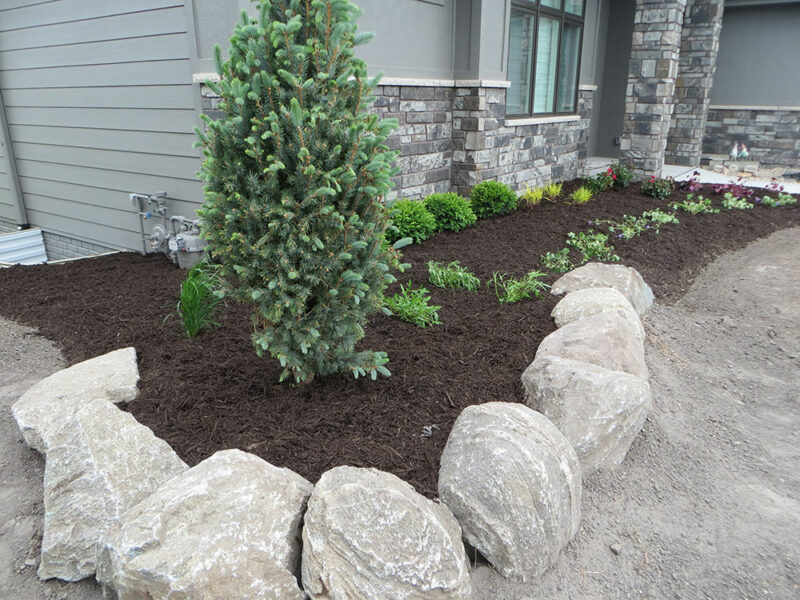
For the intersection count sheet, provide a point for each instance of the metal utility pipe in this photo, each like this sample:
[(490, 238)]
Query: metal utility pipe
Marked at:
[(13, 176)]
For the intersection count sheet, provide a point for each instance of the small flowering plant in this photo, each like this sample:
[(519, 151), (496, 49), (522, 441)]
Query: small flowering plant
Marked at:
[(600, 182), (692, 185), (621, 175), (736, 188), (658, 188)]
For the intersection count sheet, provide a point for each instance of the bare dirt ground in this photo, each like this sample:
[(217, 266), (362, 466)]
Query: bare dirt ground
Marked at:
[(706, 505), (707, 502)]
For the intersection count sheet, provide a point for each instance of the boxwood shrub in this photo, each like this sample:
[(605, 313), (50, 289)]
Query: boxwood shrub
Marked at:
[(451, 211), (492, 198), (411, 219)]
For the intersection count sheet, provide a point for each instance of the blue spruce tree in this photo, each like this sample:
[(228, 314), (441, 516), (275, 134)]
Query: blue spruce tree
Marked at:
[(295, 174)]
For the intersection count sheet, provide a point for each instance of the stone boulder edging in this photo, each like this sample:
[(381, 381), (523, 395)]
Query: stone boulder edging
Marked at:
[(487, 465)]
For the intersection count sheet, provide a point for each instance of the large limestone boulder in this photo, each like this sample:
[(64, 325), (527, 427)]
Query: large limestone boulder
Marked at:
[(368, 535), (604, 339), (99, 464), (598, 410), (590, 301), (42, 410), (624, 279), (229, 527), (514, 484)]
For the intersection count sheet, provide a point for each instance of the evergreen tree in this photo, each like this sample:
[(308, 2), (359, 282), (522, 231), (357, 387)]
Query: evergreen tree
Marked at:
[(295, 173)]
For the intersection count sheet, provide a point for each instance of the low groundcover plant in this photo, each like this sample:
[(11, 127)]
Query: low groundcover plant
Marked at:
[(592, 246), (557, 262)]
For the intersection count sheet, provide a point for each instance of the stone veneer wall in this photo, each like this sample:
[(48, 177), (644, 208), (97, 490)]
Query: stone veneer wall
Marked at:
[(516, 152), (698, 59), (451, 137), (772, 136), (649, 97)]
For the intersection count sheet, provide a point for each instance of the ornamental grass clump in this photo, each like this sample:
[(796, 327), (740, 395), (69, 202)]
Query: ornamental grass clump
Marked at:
[(491, 198), (552, 191), (452, 276), (512, 289), (581, 196), (295, 172), (413, 305), (201, 292), (531, 197), (410, 219), (450, 211)]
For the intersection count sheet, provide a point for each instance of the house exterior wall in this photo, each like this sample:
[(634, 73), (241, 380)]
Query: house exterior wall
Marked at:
[(699, 47), (755, 98), (772, 136), (99, 103)]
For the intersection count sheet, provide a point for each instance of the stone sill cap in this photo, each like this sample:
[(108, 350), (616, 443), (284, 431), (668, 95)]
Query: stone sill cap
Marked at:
[(519, 122), (746, 107), (399, 81)]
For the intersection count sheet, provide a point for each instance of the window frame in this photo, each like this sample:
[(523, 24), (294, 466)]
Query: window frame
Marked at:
[(536, 8)]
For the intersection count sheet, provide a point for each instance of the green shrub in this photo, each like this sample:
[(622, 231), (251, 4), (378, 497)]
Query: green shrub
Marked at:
[(581, 196), (658, 188), (552, 191), (531, 197), (592, 246), (412, 305), (452, 276), (510, 289), (450, 211), (412, 220), (295, 173), (600, 182), (492, 198), (201, 292), (621, 175), (557, 262)]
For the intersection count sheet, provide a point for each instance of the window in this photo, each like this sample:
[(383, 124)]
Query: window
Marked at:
[(544, 47)]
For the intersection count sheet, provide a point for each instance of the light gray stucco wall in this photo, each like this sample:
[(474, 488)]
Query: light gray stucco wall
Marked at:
[(759, 56)]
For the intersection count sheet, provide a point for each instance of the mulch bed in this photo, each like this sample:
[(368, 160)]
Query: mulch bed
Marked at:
[(212, 392)]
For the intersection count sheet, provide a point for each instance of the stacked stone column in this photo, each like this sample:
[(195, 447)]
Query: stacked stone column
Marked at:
[(652, 71), (698, 58)]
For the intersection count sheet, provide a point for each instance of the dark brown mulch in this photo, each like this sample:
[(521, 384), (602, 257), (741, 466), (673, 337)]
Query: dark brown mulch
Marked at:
[(212, 392)]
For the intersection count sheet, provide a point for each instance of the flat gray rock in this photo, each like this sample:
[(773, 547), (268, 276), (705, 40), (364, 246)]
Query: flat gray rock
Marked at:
[(626, 280), (598, 410), (369, 535), (42, 410), (229, 527), (604, 339), (590, 301), (513, 482), (99, 464)]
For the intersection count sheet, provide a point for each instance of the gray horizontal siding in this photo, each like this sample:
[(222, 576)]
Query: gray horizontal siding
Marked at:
[(146, 48), (166, 72), (147, 142), (168, 20), (99, 104), (36, 14)]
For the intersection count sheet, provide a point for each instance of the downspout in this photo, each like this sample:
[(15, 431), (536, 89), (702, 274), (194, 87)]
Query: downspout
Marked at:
[(13, 176)]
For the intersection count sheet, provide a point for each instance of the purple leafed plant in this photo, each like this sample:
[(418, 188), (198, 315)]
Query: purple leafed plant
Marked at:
[(737, 189)]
